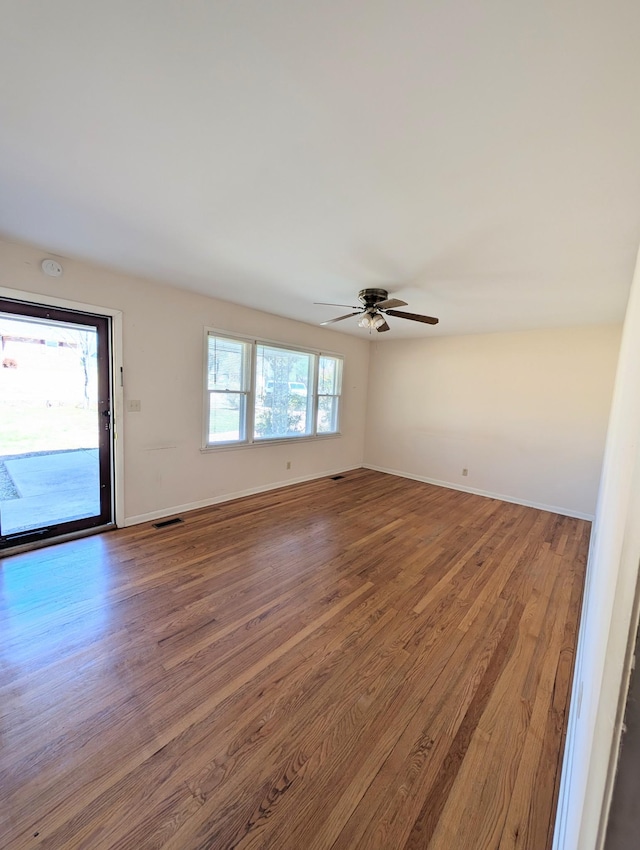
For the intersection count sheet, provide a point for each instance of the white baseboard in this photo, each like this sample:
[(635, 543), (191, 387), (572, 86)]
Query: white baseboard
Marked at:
[(228, 497), (554, 509)]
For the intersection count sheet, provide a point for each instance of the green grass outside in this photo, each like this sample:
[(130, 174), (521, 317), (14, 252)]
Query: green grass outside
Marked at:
[(223, 421), (34, 428)]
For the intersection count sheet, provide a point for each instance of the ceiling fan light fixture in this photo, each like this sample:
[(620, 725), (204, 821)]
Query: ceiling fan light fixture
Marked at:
[(376, 306)]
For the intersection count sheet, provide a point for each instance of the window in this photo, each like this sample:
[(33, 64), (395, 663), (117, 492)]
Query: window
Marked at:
[(258, 391), (227, 389), (329, 389), (283, 408)]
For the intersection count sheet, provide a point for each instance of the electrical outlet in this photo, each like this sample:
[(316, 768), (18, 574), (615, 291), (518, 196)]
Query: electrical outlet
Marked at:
[(134, 406), (465, 471), (288, 464)]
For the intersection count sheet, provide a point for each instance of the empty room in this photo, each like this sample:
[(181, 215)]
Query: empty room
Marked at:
[(319, 458)]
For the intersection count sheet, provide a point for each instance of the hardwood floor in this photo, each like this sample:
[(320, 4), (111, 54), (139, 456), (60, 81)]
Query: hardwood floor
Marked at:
[(368, 662)]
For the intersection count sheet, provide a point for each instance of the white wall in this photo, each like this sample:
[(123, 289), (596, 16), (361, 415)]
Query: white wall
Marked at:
[(612, 575), (526, 413), (163, 360)]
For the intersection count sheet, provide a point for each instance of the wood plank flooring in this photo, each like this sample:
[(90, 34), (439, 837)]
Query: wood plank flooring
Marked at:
[(368, 662)]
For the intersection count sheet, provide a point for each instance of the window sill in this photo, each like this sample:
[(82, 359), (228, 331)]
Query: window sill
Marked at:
[(282, 441)]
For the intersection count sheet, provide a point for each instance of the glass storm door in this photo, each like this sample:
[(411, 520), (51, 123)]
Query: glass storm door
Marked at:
[(55, 422)]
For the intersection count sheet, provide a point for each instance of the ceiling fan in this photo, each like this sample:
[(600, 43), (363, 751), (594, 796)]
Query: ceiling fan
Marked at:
[(376, 305)]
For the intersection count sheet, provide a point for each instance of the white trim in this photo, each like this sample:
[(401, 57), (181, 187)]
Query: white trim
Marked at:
[(259, 340), (607, 609), (229, 497), (118, 391), (268, 441), (619, 727), (554, 509)]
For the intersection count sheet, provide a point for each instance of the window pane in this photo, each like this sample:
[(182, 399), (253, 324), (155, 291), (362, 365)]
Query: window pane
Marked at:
[(327, 415), (226, 417), (329, 375), (227, 364), (283, 397)]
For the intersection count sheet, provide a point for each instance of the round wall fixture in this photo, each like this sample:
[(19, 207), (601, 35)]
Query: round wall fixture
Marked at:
[(51, 268)]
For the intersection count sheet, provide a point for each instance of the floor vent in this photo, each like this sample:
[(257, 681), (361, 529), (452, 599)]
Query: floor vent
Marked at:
[(336, 477), (167, 522)]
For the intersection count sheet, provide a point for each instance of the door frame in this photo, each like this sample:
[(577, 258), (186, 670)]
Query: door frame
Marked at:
[(117, 408)]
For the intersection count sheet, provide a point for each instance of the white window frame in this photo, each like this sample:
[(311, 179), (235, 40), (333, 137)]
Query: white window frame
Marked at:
[(319, 395), (246, 392), (250, 440)]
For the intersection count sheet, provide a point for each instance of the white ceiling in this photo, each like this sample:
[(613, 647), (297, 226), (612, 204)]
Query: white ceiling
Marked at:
[(479, 160)]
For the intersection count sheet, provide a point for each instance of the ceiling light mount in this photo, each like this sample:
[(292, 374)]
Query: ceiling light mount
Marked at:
[(371, 297)]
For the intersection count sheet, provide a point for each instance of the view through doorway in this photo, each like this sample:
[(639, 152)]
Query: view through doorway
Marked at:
[(55, 422)]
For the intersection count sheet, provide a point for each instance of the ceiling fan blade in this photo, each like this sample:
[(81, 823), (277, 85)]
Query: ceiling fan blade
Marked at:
[(390, 302), (383, 328), (340, 318), (428, 320), (329, 304)]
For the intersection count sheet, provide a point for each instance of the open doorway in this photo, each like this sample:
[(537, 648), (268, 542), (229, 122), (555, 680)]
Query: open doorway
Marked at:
[(56, 438)]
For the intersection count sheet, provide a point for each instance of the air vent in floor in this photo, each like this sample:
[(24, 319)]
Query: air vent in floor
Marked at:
[(167, 522)]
